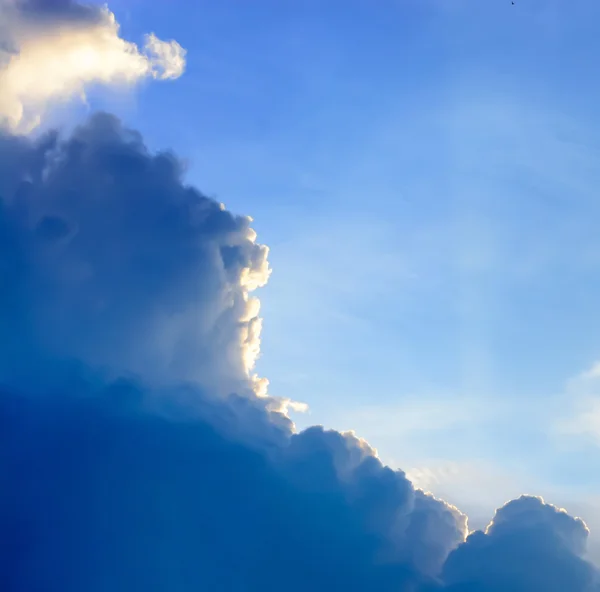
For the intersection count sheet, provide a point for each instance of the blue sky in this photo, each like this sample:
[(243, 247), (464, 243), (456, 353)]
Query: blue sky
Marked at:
[(424, 173)]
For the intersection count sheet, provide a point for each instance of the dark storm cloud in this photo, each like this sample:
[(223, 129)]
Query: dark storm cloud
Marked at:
[(138, 451)]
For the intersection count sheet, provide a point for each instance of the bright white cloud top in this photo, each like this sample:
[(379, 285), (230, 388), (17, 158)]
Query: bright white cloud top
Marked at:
[(54, 55)]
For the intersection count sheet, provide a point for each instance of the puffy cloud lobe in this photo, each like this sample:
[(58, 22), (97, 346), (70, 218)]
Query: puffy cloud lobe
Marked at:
[(410, 523), (52, 50), (528, 546), (184, 475)]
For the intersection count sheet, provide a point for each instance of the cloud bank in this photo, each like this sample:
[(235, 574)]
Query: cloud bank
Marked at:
[(53, 50), (139, 451)]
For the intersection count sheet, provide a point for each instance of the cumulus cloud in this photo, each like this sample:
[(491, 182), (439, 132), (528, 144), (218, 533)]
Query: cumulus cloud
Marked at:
[(183, 474), (53, 50)]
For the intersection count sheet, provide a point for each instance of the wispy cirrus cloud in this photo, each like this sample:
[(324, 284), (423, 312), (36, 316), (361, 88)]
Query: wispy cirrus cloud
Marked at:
[(583, 404)]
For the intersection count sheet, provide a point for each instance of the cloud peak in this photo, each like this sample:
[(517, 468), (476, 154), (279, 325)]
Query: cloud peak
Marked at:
[(54, 51)]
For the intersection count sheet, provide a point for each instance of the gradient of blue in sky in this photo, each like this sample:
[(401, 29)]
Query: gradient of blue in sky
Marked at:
[(425, 174)]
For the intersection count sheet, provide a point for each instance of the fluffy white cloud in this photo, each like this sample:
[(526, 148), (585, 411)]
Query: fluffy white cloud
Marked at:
[(54, 50)]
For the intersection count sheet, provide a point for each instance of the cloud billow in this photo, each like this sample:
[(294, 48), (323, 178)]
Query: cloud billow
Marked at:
[(528, 546), (53, 50), (127, 267)]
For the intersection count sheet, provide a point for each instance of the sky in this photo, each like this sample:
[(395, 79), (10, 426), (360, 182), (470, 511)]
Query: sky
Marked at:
[(420, 177), (424, 175)]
